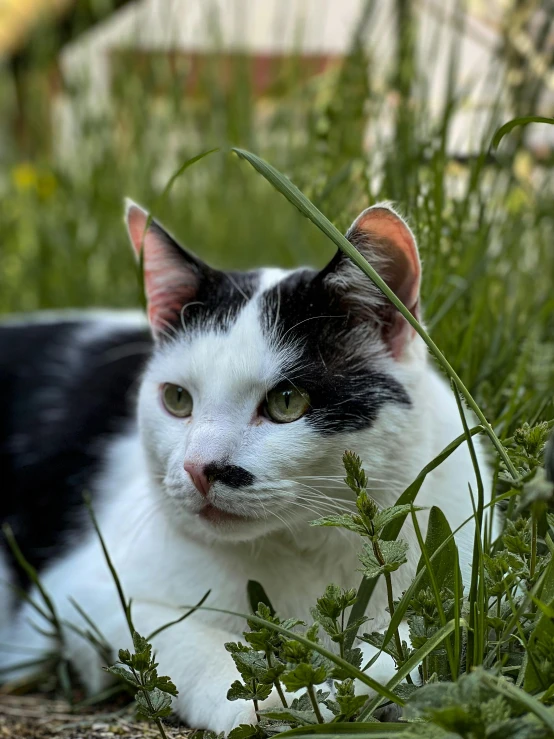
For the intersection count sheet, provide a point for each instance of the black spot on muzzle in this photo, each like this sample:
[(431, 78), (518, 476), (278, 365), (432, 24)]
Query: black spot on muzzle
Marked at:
[(228, 474)]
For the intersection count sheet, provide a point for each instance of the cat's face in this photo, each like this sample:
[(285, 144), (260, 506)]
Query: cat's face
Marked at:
[(259, 381)]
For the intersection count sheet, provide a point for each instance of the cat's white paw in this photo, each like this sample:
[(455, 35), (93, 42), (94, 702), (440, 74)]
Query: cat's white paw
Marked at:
[(247, 715)]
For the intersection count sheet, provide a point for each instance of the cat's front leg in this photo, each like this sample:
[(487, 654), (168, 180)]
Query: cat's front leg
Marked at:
[(192, 653), (382, 670)]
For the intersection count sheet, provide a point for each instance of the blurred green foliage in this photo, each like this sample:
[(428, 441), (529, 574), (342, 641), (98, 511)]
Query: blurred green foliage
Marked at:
[(485, 224)]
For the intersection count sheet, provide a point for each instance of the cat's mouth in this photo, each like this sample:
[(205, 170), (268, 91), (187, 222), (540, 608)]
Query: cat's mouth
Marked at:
[(216, 515)]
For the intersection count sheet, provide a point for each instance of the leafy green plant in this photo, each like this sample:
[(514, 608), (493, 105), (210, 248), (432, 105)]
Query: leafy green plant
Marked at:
[(153, 691), (514, 641)]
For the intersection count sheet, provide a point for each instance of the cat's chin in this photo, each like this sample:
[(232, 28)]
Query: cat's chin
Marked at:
[(218, 517), (217, 523)]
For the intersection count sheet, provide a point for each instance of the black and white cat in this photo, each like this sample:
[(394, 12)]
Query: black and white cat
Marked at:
[(208, 449)]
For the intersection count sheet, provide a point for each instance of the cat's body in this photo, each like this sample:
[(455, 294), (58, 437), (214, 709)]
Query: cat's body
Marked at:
[(188, 503)]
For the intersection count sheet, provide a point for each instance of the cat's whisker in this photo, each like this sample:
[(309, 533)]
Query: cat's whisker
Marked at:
[(337, 502), (286, 523), (303, 504), (318, 492), (318, 514), (369, 479), (318, 500), (325, 501)]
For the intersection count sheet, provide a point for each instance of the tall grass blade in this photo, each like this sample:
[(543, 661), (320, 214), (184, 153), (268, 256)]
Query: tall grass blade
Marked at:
[(181, 618), (124, 604), (521, 121), (432, 579), (256, 595), (283, 185), (477, 546), (32, 574)]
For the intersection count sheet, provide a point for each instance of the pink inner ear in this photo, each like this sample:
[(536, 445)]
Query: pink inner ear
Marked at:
[(168, 281), (390, 233), (136, 223)]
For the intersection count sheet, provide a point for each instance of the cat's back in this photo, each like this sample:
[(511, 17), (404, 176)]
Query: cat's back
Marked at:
[(67, 385)]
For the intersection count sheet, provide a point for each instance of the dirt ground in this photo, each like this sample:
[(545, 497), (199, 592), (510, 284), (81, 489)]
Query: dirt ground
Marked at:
[(41, 717)]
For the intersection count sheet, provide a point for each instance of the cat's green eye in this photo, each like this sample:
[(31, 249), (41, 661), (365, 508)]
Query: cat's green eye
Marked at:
[(286, 403), (177, 400)]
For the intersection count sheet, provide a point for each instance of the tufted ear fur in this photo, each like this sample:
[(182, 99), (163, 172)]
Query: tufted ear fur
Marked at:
[(172, 276), (388, 244)]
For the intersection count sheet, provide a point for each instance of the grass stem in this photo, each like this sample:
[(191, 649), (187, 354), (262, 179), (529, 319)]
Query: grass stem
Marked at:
[(315, 705)]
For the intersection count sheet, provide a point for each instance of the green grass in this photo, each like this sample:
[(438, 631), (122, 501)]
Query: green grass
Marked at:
[(485, 228), (487, 254)]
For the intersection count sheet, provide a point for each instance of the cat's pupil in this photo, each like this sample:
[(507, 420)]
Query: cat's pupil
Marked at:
[(287, 395)]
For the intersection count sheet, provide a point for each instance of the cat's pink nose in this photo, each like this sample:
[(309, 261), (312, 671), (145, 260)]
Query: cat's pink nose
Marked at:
[(198, 476)]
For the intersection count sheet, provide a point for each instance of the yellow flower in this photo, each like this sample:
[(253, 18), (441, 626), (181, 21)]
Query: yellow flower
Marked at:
[(46, 185), (24, 177)]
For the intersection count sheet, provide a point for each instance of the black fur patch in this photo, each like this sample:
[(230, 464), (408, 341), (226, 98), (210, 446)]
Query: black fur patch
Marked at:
[(229, 474), (62, 400), (346, 393), (219, 296)]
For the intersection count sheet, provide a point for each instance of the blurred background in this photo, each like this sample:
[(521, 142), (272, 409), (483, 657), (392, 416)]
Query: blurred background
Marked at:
[(355, 100)]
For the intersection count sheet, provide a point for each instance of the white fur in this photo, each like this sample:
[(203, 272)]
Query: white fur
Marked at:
[(167, 556)]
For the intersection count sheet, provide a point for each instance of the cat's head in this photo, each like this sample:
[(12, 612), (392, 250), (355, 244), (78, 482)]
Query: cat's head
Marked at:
[(260, 380)]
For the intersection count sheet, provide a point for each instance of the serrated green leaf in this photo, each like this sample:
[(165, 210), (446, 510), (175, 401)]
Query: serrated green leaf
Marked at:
[(376, 640), (289, 715), (233, 647), (123, 673), (334, 601), (249, 692), (125, 656), (250, 664), (164, 683), (303, 702), (388, 515), (353, 657), (347, 521), (393, 554), (348, 702), (154, 704), (304, 676), (238, 691), (142, 658), (243, 731), (140, 644), (246, 731)]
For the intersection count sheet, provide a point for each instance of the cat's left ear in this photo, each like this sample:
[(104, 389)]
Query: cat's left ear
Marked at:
[(172, 276), (387, 242)]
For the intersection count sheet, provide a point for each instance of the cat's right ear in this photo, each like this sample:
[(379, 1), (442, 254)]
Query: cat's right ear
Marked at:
[(172, 276), (386, 241)]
